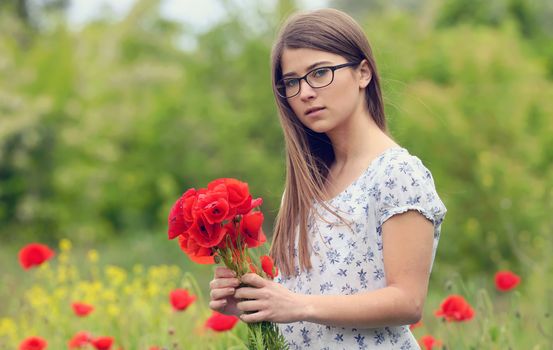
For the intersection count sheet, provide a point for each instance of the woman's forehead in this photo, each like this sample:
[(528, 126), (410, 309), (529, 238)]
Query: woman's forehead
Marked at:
[(298, 61)]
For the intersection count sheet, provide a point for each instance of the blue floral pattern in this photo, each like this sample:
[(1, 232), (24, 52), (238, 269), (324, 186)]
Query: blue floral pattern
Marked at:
[(348, 261)]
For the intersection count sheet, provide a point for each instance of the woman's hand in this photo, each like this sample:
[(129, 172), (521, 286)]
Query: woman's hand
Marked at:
[(222, 288), (268, 301)]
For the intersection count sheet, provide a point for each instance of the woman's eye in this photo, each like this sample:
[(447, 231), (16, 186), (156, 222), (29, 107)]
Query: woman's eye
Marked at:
[(320, 72), (290, 83)]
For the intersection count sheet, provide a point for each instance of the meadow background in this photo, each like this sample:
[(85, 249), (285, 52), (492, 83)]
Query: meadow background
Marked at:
[(103, 126)]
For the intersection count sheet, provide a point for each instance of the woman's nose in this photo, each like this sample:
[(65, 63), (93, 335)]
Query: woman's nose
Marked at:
[(306, 91)]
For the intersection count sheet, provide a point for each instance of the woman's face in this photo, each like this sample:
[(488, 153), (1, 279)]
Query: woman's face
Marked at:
[(323, 109)]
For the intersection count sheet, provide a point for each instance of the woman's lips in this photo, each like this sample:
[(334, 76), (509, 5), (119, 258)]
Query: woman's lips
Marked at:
[(314, 111)]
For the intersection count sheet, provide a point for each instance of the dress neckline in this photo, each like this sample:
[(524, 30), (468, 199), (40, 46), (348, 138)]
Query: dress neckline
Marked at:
[(367, 169)]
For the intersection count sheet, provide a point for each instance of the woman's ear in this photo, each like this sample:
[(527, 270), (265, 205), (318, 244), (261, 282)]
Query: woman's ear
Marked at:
[(365, 74)]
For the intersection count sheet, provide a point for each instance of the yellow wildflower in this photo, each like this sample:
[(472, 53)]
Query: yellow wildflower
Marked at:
[(8, 329), (109, 295), (113, 310), (152, 289), (115, 275), (65, 245), (60, 293), (93, 256)]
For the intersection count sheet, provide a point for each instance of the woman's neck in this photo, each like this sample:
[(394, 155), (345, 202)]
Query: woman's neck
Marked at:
[(359, 140)]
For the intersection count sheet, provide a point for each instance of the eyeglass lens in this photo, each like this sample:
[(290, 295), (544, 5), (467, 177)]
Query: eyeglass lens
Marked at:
[(318, 78)]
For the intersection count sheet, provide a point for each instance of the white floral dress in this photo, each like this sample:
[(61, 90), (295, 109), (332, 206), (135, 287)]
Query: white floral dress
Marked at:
[(346, 262)]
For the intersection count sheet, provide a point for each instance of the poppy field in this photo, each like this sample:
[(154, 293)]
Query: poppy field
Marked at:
[(80, 302), (74, 303)]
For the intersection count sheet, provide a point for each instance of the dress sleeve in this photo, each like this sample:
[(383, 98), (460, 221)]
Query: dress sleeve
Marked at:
[(406, 184)]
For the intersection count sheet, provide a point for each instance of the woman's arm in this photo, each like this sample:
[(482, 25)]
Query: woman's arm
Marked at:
[(408, 246)]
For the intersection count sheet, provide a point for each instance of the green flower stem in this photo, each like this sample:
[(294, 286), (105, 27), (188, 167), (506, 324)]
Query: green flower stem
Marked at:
[(261, 335)]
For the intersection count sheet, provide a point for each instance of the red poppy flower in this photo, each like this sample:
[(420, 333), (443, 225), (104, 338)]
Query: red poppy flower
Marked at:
[(214, 207), (506, 280), (189, 199), (82, 309), (154, 348), (220, 322), (176, 223), (180, 299), (206, 234), (102, 343), (34, 254), (238, 192), (455, 308), (252, 230), (33, 343), (268, 266), (196, 253), (79, 340), (429, 342), (415, 325)]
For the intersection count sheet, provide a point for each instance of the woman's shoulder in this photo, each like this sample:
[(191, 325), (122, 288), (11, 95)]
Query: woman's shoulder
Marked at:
[(402, 182), (399, 162)]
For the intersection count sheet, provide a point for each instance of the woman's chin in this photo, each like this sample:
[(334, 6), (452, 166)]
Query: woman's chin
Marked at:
[(318, 127)]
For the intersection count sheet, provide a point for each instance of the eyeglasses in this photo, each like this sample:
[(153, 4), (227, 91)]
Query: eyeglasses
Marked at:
[(316, 78)]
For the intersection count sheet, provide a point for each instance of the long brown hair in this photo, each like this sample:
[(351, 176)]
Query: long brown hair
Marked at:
[(309, 154)]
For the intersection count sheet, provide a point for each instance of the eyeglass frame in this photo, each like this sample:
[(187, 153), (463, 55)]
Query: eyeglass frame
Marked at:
[(332, 69)]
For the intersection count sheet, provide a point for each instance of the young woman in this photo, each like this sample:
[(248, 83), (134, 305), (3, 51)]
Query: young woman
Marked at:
[(359, 222)]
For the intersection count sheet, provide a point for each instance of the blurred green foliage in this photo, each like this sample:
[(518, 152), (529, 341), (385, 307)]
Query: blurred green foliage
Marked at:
[(101, 129)]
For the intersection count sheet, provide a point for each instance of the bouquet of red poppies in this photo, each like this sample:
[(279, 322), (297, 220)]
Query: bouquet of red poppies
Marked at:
[(218, 224)]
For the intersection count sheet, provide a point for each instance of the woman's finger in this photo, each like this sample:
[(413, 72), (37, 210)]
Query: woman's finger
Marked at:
[(222, 272), (248, 293), (254, 317), (250, 305), (254, 280), (221, 293), (224, 283), (217, 305)]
